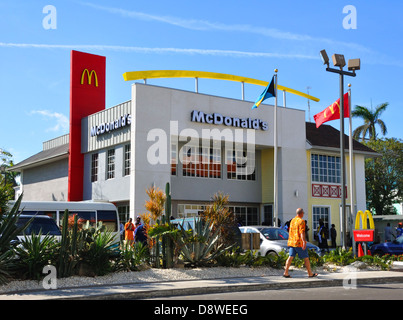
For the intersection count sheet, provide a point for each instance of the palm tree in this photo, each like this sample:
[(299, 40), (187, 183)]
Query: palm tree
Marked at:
[(371, 118)]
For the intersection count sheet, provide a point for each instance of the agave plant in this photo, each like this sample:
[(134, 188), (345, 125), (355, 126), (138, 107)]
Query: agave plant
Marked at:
[(132, 256), (8, 233), (200, 244), (35, 252), (97, 248)]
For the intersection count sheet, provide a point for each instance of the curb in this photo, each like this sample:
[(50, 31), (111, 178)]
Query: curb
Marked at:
[(146, 290), (236, 288)]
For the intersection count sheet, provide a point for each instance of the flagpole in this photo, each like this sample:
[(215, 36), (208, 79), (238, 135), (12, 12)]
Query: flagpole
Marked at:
[(275, 193), (352, 167)]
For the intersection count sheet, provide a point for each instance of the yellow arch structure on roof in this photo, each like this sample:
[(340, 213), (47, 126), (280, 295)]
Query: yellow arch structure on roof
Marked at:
[(153, 74)]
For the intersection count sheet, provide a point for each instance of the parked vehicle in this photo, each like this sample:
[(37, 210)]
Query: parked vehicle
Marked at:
[(273, 240), (186, 223), (86, 211), (39, 224), (393, 248)]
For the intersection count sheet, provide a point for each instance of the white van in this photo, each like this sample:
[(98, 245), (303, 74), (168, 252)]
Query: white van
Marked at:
[(86, 211)]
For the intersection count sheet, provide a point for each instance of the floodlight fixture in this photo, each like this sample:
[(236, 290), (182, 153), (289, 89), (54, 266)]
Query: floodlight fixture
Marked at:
[(354, 64), (324, 57), (338, 60)]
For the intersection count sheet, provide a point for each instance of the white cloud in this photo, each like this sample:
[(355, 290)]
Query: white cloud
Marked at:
[(189, 51), (204, 25), (61, 121)]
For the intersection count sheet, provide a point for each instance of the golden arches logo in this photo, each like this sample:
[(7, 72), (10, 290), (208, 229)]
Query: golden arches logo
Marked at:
[(154, 74), (364, 234), (89, 76), (332, 108), (364, 216)]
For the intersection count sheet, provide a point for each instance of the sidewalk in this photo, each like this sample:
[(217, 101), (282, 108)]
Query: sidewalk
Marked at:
[(172, 288)]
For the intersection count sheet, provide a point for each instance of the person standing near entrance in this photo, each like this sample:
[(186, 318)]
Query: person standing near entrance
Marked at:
[(333, 235), (129, 231), (297, 244), (388, 233)]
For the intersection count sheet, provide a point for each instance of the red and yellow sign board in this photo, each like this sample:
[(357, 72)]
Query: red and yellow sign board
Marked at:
[(87, 96), (364, 234)]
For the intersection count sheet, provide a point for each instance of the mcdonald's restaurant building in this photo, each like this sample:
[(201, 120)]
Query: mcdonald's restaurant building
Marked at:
[(201, 144)]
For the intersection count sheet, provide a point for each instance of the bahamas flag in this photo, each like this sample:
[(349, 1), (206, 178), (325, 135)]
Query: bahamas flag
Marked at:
[(267, 93)]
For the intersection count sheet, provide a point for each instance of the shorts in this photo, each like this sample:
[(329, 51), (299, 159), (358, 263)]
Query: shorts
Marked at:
[(298, 250)]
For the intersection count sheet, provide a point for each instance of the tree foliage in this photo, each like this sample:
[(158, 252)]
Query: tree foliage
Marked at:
[(219, 215), (384, 175), (7, 179), (371, 120)]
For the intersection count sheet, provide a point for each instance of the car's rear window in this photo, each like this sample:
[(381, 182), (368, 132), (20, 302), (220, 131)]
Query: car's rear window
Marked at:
[(48, 226)]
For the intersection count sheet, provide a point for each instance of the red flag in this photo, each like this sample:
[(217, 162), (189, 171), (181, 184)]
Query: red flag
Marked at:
[(332, 112)]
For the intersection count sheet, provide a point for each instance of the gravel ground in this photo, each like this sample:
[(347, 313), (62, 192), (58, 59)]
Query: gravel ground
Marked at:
[(158, 275)]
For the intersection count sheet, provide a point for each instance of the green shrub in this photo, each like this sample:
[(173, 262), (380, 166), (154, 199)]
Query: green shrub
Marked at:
[(235, 258), (9, 232), (97, 249), (132, 256), (339, 257), (34, 253), (384, 262), (314, 259), (68, 257)]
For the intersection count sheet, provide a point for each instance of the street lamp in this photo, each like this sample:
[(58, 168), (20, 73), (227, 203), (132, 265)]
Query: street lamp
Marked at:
[(353, 65)]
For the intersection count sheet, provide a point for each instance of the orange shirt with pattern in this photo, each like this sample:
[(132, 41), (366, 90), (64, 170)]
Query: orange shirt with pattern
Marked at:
[(297, 227)]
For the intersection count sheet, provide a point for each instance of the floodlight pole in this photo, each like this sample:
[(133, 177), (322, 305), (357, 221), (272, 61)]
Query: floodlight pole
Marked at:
[(342, 152)]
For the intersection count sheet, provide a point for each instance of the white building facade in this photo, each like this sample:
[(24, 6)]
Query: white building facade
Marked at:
[(201, 145)]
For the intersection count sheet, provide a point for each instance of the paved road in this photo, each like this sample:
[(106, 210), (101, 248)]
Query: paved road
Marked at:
[(391, 291)]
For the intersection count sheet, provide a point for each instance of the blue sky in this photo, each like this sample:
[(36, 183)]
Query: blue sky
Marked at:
[(245, 38)]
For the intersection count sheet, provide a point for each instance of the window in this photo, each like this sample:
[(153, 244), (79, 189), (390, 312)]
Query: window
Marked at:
[(38, 225), (108, 219), (190, 210), (127, 160), (204, 162), (82, 217), (215, 163), (320, 213), (241, 165), (246, 216), (110, 173), (94, 167), (124, 213), (325, 168), (174, 158)]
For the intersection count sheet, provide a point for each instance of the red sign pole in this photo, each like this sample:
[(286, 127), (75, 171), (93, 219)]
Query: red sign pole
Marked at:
[(87, 96)]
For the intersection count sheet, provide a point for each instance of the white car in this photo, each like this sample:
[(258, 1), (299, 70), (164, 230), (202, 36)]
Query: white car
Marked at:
[(273, 240)]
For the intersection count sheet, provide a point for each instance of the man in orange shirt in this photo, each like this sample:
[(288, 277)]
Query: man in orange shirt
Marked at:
[(297, 244), (129, 231)]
